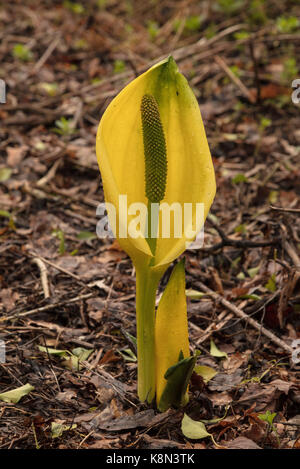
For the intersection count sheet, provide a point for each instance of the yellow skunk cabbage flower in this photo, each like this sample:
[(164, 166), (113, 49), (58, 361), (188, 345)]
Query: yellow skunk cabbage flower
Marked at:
[(154, 162)]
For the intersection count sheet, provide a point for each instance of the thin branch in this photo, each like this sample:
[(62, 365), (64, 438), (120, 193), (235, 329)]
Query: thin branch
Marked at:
[(240, 313), (44, 278), (47, 307)]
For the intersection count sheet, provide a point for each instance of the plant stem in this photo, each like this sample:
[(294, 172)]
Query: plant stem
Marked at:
[(146, 285)]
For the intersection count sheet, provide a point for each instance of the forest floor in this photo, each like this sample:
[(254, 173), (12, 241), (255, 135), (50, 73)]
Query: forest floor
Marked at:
[(67, 298)]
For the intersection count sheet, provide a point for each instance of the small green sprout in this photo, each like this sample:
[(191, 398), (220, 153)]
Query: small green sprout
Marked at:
[(101, 4), (64, 126), (60, 235), (271, 283), (264, 123), (287, 25), (193, 23), (211, 31), (257, 12), (119, 66), (290, 70), (80, 44), (5, 214), (76, 8), (269, 417), (153, 29), (238, 178), (239, 35), (242, 228), (229, 7), (22, 52)]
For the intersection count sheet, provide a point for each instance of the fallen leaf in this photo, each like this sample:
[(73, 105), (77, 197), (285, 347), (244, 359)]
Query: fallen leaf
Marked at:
[(225, 382), (109, 357), (15, 155), (194, 294), (215, 352), (15, 395), (193, 429), (58, 428), (9, 298), (235, 361), (206, 372), (146, 418), (5, 174), (66, 396), (241, 443)]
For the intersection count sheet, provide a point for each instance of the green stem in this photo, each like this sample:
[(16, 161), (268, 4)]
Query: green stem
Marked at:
[(146, 285)]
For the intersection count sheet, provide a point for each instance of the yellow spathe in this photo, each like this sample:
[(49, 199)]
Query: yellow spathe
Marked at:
[(120, 153)]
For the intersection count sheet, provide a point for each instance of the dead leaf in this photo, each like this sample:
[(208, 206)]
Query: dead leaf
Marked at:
[(225, 382), (264, 395), (109, 357), (156, 443), (9, 298), (233, 362), (66, 396), (15, 155), (220, 398), (241, 443), (146, 418)]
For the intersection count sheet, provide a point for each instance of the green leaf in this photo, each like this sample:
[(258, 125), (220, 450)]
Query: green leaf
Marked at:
[(253, 271), (206, 372), (78, 355), (72, 359), (194, 294), (76, 8), (178, 377), (213, 218), (242, 228), (82, 353), (119, 66), (193, 429), (128, 355), (22, 52), (57, 429), (215, 352), (15, 395), (268, 417), (86, 235), (271, 284), (239, 178), (193, 23), (5, 174), (241, 35), (49, 88), (264, 123), (53, 351), (250, 297), (60, 235), (273, 197), (5, 214), (287, 25)]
